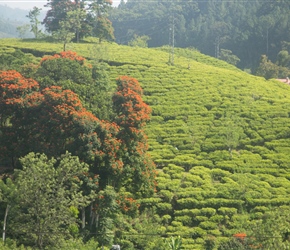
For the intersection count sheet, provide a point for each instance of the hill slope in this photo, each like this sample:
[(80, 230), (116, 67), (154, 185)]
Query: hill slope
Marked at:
[(219, 137)]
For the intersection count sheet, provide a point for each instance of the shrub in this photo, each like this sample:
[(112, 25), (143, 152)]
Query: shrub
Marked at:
[(139, 41), (207, 211), (230, 211)]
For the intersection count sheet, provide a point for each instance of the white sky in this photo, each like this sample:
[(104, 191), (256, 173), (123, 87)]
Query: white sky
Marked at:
[(29, 4), (24, 4)]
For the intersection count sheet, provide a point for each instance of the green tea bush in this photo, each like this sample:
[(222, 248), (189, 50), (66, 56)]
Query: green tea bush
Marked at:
[(200, 218), (230, 211), (176, 224), (198, 232), (217, 218), (207, 211), (186, 220), (190, 212), (187, 203), (163, 207), (215, 232), (166, 219), (262, 209), (208, 225), (166, 195)]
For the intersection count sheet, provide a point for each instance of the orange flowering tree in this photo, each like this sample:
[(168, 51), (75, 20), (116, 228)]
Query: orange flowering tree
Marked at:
[(71, 71), (104, 30), (66, 54), (13, 92), (66, 69), (53, 121), (132, 114)]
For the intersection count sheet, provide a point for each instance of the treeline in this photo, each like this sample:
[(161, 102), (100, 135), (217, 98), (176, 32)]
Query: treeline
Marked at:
[(246, 29), (64, 21), (8, 29)]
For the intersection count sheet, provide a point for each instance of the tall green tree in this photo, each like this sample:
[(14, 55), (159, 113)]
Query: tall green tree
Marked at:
[(103, 29), (106, 209), (70, 27), (267, 69), (34, 21), (8, 195), (57, 13), (64, 33), (98, 19), (228, 56), (44, 206), (75, 19)]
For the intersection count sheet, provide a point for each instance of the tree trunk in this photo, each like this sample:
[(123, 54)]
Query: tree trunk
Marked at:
[(4, 223), (78, 36), (83, 217), (231, 152), (267, 49), (97, 220), (92, 216)]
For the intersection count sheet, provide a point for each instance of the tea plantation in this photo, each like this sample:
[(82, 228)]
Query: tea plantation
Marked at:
[(220, 137)]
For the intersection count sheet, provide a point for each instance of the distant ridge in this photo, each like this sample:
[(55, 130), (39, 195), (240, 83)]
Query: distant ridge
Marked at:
[(14, 14), (11, 18)]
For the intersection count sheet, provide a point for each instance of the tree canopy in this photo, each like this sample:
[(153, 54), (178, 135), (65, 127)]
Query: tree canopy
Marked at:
[(80, 18), (45, 200)]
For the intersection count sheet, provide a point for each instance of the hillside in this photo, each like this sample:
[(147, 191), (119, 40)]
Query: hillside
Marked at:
[(219, 137)]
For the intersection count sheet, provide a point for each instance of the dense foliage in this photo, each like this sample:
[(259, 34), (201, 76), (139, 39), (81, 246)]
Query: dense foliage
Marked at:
[(247, 28), (50, 121), (44, 200), (81, 18)]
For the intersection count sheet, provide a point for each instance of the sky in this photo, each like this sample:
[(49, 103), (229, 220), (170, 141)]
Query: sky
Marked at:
[(29, 4), (24, 4)]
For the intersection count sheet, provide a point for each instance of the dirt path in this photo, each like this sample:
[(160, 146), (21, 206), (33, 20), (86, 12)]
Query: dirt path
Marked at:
[(287, 81)]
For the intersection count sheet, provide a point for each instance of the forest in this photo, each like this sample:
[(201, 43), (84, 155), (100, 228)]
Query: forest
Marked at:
[(245, 30), (105, 145)]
